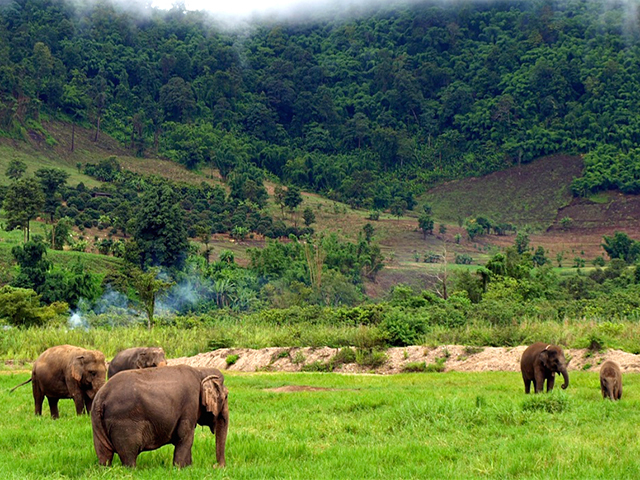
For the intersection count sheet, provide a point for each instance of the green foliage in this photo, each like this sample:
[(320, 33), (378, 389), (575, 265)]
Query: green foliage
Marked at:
[(554, 403), (463, 259), (415, 367), (367, 357), (160, 233), (32, 264), (621, 246), (231, 359), (401, 329), (436, 367), (20, 307)]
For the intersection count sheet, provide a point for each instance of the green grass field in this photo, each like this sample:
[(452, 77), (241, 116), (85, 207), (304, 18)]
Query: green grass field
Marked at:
[(448, 425)]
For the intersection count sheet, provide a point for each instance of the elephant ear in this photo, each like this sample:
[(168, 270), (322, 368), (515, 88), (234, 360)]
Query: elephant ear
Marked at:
[(76, 368), (214, 394), (544, 358), (141, 361)]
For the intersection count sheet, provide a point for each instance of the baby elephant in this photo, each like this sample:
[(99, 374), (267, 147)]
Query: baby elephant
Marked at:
[(539, 364), (611, 380), (141, 410), (139, 357)]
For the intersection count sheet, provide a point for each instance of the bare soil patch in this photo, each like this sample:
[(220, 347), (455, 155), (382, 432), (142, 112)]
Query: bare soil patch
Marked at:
[(298, 388), (452, 357)]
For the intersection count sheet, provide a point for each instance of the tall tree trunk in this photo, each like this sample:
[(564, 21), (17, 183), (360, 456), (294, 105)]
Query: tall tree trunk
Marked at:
[(95, 139)]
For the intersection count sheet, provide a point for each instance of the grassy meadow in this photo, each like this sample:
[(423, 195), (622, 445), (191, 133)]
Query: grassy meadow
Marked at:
[(448, 425)]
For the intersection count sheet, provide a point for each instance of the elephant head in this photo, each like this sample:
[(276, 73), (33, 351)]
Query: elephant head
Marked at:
[(553, 359), (88, 369), (215, 410), (151, 357)]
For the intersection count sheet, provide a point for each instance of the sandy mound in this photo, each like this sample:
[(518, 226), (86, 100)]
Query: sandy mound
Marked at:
[(451, 357)]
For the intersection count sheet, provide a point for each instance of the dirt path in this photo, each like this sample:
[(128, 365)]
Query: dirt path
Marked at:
[(452, 357)]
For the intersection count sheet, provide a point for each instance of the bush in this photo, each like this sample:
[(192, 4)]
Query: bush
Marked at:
[(415, 367), (231, 359), (401, 329), (463, 259), (345, 355), (316, 366), (20, 307), (370, 358), (437, 367)]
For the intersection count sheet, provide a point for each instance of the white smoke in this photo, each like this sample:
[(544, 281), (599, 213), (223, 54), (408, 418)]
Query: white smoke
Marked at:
[(76, 320)]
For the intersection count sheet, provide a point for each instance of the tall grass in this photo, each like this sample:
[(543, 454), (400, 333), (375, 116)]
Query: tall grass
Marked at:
[(421, 425), (24, 345)]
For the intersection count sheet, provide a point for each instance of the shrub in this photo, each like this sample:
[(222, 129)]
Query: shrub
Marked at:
[(436, 367), (220, 342), (415, 367), (344, 355), (231, 359), (316, 366), (463, 259), (370, 358), (20, 307), (401, 329)]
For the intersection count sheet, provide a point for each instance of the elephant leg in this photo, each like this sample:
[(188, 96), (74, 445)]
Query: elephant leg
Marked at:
[(53, 407), (182, 452), (527, 385), (128, 459), (104, 453), (88, 402), (38, 398), (551, 380), (538, 381), (79, 401)]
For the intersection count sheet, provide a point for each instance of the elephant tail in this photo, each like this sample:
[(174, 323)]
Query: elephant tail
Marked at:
[(23, 383), (101, 441)]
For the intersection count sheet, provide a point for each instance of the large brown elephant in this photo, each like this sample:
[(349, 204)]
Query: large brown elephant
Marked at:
[(540, 362), (141, 410), (66, 371), (611, 380), (138, 357)]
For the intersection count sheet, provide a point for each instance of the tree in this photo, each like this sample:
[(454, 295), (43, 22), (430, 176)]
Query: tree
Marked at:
[(148, 286), (51, 179), (522, 242), (15, 169), (621, 246), (292, 198), (398, 207), (308, 216), (278, 195), (22, 202), (32, 264), (539, 257), (440, 277), (160, 233), (425, 223)]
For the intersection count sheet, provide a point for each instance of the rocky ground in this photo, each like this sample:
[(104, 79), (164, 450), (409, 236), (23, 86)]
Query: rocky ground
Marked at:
[(451, 357)]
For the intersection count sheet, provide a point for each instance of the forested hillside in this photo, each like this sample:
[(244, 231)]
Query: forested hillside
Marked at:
[(352, 108)]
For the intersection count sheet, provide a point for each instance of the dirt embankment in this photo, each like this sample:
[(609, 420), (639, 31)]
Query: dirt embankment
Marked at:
[(451, 357)]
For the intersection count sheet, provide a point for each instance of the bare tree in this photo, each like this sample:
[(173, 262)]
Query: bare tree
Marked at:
[(440, 276)]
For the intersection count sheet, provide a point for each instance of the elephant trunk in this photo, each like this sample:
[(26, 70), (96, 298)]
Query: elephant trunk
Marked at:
[(565, 375)]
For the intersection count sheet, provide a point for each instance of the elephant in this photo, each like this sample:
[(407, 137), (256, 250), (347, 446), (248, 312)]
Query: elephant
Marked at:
[(66, 371), (144, 409), (139, 357), (540, 362), (611, 380)]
